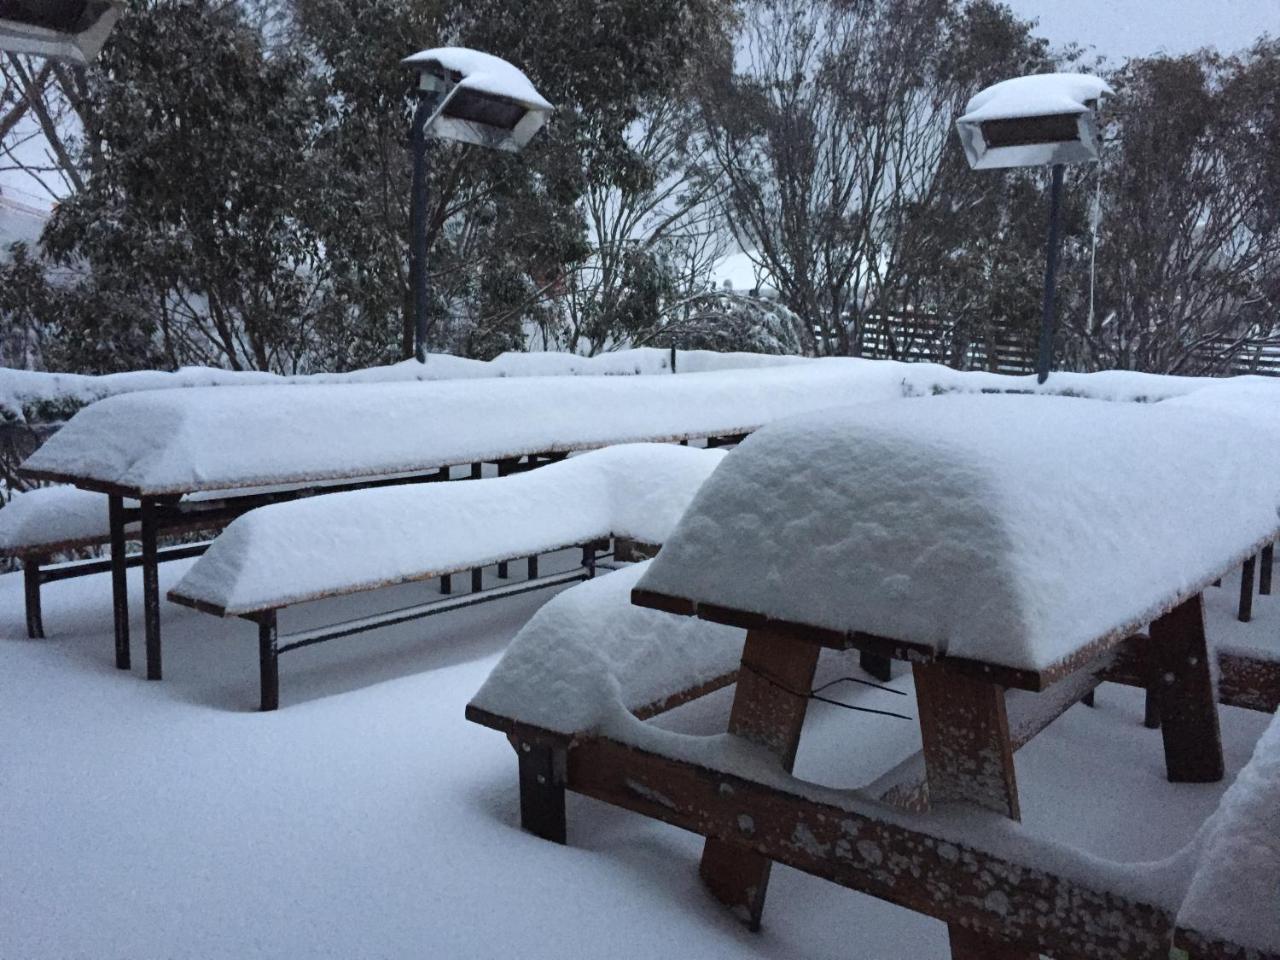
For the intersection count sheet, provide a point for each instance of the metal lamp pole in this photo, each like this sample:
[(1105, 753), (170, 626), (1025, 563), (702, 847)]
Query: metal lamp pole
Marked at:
[(1044, 357), (428, 100)]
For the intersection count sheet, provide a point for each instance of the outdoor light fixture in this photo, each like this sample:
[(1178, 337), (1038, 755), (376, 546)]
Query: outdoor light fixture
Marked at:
[(71, 30), (1046, 119), (471, 97)]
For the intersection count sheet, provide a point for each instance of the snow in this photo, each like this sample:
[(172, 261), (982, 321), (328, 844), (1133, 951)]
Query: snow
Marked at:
[(20, 388), (1235, 891), (482, 72), (1012, 530), (52, 515), (1037, 95), (286, 553), (157, 819), (589, 648), (217, 438)]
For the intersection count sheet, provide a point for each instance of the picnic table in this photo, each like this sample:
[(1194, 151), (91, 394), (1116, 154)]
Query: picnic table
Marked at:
[(961, 535), (197, 458)]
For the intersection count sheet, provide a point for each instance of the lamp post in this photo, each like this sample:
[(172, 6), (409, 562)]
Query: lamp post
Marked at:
[(471, 97), (70, 30), (1046, 119)]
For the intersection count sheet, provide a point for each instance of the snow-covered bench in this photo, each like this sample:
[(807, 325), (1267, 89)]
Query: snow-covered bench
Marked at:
[(36, 525), (1233, 895), (592, 634), (339, 544)]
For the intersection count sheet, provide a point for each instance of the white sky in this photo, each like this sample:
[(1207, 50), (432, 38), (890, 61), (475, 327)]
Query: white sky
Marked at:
[(1130, 28)]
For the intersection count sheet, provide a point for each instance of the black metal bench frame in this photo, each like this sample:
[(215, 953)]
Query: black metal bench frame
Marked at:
[(271, 643)]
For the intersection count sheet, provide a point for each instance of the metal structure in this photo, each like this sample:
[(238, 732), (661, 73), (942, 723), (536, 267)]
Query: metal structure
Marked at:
[(469, 97), (69, 30), (1048, 119)]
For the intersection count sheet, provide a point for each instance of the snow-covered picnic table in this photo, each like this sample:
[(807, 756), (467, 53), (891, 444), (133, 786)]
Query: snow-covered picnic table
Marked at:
[(211, 453), (995, 543)]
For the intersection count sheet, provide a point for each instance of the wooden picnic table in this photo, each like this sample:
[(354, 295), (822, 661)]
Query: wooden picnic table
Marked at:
[(968, 745)]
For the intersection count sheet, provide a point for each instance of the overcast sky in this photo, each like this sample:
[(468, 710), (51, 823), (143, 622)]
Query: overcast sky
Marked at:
[(1131, 28)]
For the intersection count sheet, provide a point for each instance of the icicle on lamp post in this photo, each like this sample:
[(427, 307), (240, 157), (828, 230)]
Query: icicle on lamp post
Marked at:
[(1048, 119), (70, 30), (475, 98)]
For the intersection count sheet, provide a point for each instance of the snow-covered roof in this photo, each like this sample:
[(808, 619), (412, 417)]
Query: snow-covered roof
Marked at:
[(301, 550), (590, 651), (219, 438), (482, 72), (1013, 530), (1036, 95)]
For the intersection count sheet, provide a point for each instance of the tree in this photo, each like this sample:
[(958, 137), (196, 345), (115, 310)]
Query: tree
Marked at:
[(1190, 238), (186, 226), (505, 232), (834, 133)]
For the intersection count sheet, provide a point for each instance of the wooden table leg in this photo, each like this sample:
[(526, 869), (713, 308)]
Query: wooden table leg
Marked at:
[(1189, 713), (967, 945), (1247, 575), (968, 756), (964, 729), (767, 711)]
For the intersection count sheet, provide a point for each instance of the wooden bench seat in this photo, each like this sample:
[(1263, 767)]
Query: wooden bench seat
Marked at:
[(341, 544)]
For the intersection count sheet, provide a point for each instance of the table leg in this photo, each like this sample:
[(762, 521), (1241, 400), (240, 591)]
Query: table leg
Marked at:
[(880, 667), (1188, 710), (119, 581), (968, 756), (964, 729), (967, 945), (150, 589), (31, 586), (1264, 570), (768, 709), (1245, 613)]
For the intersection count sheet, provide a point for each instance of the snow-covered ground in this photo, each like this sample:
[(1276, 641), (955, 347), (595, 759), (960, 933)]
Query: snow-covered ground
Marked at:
[(368, 819)]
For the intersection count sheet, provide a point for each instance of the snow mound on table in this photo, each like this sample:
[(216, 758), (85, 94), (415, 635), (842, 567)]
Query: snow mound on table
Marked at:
[(1235, 891), (344, 542), (1045, 93), (179, 441), (1010, 529), (589, 650), (52, 515)]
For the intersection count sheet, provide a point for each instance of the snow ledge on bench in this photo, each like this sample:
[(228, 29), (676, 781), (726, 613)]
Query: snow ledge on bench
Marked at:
[(589, 651), (339, 543)]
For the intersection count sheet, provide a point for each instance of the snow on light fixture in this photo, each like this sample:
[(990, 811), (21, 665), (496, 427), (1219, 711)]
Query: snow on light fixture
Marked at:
[(1045, 119), (478, 98), (471, 97), (70, 30)]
